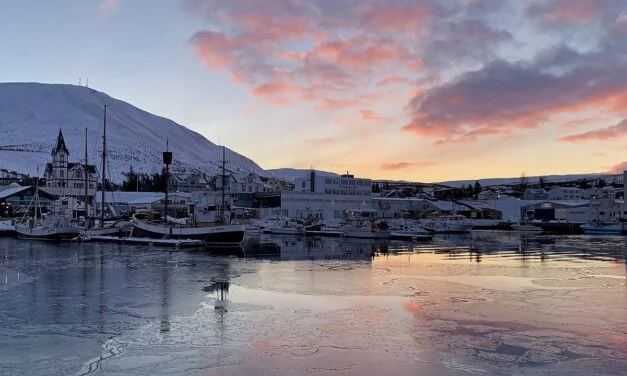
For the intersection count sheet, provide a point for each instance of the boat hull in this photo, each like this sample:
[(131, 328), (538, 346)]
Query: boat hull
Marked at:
[(366, 234), (49, 234), (212, 235), (602, 230)]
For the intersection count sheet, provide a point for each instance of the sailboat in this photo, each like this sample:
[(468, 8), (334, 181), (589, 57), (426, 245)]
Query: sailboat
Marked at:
[(56, 226), (102, 228), (215, 228)]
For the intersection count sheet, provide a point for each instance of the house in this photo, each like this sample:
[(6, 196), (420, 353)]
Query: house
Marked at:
[(487, 194), (535, 194), (65, 178), (187, 183), (280, 185), (565, 193)]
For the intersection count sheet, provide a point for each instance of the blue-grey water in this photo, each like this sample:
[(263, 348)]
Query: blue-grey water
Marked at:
[(483, 304)]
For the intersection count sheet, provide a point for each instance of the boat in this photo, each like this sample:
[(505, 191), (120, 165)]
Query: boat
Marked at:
[(598, 227), (408, 230), (210, 221), (363, 224), (54, 226), (526, 227), (447, 224), (286, 227)]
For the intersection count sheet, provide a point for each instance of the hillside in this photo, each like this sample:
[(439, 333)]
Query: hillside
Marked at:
[(31, 115)]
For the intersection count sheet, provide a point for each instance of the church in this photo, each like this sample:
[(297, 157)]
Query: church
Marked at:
[(64, 178)]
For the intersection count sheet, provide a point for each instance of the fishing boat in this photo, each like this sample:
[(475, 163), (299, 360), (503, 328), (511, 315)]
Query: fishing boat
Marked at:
[(56, 225), (448, 224), (100, 227), (598, 227), (363, 224), (210, 220)]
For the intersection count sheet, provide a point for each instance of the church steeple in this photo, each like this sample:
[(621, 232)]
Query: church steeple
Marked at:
[(60, 145)]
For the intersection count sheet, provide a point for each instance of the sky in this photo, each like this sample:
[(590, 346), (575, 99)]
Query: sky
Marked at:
[(422, 90)]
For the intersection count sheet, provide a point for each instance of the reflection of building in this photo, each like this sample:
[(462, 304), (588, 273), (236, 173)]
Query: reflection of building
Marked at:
[(65, 178)]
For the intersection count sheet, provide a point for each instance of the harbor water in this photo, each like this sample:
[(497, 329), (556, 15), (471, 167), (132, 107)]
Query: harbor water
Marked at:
[(486, 303)]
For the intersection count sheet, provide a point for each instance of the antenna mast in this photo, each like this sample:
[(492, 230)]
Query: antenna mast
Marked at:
[(86, 183), (104, 161)]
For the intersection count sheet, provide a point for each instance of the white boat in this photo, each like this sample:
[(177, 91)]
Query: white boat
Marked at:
[(286, 227), (405, 229), (363, 224), (602, 228), (447, 224), (55, 226)]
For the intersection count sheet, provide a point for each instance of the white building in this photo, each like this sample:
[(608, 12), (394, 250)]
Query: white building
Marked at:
[(565, 193), (64, 178), (326, 196), (345, 185)]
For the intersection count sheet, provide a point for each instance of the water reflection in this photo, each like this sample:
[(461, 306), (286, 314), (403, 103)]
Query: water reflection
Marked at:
[(475, 247)]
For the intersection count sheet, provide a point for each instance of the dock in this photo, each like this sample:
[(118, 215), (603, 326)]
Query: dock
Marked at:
[(7, 228), (178, 243), (334, 234)]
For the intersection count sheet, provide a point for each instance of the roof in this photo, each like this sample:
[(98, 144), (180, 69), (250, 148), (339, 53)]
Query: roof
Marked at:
[(12, 189), (60, 145)]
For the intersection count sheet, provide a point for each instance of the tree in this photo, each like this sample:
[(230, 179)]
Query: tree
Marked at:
[(469, 191), (601, 183), (523, 182), (376, 188), (131, 181), (542, 182), (477, 188)]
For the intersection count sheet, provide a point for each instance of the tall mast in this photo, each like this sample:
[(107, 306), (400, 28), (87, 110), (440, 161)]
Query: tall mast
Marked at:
[(167, 160), (104, 161), (223, 177), (86, 182)]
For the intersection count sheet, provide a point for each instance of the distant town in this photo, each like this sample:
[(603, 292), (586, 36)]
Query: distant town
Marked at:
[(316, 195)]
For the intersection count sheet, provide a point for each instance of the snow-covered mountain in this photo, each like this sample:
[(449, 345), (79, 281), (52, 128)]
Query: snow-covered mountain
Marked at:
[(31, 115)]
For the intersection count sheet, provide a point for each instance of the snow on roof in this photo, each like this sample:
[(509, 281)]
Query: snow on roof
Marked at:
[(12, 189), (130, 197)]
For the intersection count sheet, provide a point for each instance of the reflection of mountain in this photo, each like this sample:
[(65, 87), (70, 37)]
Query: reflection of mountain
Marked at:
[(312, 248)]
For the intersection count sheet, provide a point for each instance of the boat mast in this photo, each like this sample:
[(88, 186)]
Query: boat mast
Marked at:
[(167, 160), (104, 161), (86, 183), (223, 207)]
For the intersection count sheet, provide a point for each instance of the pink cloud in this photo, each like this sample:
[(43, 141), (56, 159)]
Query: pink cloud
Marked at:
[(618, 168), (108, 6), (319, 141), (607, 133), (369, 115), (393, 80), (329, 50)]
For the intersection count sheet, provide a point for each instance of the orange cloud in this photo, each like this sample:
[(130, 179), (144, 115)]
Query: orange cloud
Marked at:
[(393, 80), (404, 165)]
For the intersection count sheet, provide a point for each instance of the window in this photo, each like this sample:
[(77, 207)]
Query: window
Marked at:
[(62, 173), (243, 188), (79, 174), (250, 188)]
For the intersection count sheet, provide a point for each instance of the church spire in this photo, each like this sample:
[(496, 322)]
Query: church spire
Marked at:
[(60, 144)]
